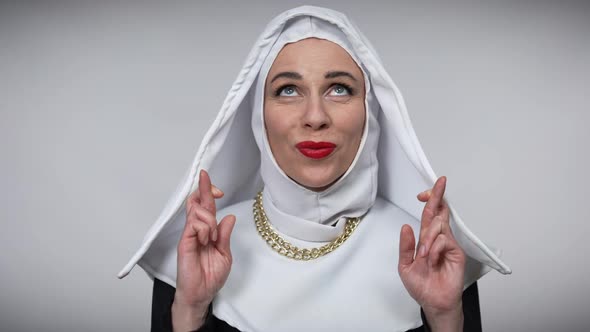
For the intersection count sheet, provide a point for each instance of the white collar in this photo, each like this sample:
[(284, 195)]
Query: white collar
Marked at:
[(299, 227)]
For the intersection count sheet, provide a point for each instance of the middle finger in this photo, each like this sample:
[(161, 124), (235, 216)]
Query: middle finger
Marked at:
[(432, 206), (429, 235), (205, 193), (203, 215)]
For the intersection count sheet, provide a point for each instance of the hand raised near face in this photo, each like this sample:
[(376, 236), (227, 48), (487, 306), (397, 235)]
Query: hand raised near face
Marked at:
[(433, 275), (204, 257)]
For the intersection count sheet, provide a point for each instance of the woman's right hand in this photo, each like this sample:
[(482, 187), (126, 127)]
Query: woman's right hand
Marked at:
[(204, 257)]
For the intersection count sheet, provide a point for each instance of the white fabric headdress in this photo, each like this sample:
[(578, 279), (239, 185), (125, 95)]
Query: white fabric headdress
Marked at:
[(298, 210), (231, 154)]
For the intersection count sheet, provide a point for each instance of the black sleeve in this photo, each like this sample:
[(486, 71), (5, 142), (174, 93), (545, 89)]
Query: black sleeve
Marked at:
[(163, 296), (471, 313)]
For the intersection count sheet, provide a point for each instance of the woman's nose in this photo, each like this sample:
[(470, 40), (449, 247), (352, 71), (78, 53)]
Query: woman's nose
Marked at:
[(315, 116)]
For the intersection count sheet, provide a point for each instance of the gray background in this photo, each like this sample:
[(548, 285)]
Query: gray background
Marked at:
[(103, 106)]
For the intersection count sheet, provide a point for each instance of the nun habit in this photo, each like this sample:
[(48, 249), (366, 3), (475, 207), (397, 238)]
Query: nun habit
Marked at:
[(355, 287)]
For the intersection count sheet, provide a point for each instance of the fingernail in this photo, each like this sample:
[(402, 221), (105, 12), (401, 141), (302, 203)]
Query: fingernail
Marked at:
[(422, 251), (216, 191), (214, 237)]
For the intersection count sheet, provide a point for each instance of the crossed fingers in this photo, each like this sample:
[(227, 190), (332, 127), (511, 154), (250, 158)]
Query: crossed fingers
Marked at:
[(435, 232), (201, 210)]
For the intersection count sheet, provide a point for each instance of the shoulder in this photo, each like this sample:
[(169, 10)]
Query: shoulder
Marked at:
[(237, 209), (383, 208), (243, 213)]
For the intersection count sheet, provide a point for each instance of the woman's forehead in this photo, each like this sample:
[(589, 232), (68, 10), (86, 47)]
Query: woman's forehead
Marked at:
[(314, 55)]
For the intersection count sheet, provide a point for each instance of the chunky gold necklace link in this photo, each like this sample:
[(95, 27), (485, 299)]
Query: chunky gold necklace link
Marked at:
[(283, 247)]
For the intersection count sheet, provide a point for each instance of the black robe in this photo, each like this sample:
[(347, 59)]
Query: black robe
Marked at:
[(163, 296)]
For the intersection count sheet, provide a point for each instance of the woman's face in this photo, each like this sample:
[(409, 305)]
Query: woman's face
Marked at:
[(314, 111)]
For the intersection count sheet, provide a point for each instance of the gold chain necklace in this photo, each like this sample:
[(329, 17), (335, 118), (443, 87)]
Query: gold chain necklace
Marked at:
[(283, 247)]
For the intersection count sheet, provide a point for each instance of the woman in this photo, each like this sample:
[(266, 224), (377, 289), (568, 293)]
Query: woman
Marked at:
[(315, 125)]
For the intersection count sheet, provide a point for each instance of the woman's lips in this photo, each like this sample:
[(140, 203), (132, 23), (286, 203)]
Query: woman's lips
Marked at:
[(315, 150)]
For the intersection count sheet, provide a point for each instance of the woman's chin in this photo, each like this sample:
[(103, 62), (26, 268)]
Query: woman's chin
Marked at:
[(319, 188), (317, 184), (316, 177)]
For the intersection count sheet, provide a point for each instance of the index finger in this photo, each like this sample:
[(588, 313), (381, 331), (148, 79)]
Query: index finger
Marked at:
[(205, 193), (433, 204), (191, 201)]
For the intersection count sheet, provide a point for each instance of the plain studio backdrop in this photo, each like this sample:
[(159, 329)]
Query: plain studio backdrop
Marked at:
[(104, 104)]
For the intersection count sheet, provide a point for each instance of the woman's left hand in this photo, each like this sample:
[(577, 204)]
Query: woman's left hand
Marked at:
[(434, 275)]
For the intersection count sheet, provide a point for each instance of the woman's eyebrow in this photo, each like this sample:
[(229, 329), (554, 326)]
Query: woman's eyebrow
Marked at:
[(333, 74), (287, 74)]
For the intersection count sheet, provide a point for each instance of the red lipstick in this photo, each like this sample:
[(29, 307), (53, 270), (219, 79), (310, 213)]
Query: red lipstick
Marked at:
[(315, 150)]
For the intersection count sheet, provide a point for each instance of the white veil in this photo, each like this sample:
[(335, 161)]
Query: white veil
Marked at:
[(230, 154)]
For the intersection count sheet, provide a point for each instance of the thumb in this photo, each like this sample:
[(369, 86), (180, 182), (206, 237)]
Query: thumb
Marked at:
[(407, 247), (224, 229)]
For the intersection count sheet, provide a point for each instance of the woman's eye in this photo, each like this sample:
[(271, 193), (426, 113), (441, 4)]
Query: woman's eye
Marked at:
[(340, 90), (288, 91)]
